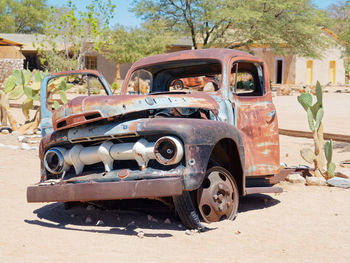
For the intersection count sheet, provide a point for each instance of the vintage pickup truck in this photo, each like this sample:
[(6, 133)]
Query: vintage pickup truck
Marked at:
[(198, 148)]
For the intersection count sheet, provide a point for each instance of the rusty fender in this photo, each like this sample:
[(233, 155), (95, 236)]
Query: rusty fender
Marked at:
[(199, 137)]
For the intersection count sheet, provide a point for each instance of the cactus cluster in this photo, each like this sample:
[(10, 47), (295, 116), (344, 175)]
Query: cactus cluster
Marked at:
[(23, 82), (26, 83), (315, 114)]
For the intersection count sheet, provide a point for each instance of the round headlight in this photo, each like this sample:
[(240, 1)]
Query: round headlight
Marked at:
[(168, 150)]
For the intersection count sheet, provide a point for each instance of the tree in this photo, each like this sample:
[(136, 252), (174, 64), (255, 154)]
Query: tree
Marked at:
[(129, 45), (71, 34), (22, 16), (237, 24)]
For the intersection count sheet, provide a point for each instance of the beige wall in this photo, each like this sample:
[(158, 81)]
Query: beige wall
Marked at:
[(269, 57), (108, 68), (321, 67)]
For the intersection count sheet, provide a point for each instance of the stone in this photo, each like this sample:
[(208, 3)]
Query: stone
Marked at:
[(100, 223), (5, 131), (88, 220), (179, 225), (25, 146), (140, 234), (20, 138), (28, 133), (90, 208), (167, 221), (72, 215), (344, 173), (38, 132), (295, 178), (339, 182), (316, 181), (15, 133), (189, 232)]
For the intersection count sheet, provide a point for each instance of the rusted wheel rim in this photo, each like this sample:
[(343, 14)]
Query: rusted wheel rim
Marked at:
[(217, 198)]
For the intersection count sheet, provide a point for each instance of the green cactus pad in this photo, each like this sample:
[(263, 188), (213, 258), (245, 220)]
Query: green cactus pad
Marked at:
[(319, 93), (305, 100), (10, 83), (331, 169), (319, 117), (310, 119), (328, 150), (307, 155)]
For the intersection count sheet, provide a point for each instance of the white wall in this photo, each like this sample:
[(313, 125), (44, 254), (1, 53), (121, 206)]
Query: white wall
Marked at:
[(321, 67)]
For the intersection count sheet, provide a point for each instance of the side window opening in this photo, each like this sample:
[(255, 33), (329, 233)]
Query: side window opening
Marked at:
[(62, 89), (247, 79), (140, 82)]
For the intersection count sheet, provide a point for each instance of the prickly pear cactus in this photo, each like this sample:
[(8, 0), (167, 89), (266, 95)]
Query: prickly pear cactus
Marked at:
[(315, 114), (328, 151)]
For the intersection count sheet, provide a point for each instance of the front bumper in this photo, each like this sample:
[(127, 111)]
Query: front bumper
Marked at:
[(91, 191)]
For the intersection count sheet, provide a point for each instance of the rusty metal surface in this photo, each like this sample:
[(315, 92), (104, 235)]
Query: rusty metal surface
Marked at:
[(110, 106), (262, 190), (196, 134), (105, 191)]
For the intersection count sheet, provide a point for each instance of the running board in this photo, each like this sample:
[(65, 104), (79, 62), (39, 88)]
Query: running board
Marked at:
[(260, 190)]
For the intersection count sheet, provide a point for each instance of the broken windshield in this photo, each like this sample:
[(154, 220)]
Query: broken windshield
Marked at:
[(177, 76)]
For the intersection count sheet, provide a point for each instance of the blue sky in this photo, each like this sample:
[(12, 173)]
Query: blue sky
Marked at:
[(124, 17)]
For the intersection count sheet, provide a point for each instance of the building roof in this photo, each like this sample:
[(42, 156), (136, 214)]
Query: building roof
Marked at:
[(28, 40), (7, 42)]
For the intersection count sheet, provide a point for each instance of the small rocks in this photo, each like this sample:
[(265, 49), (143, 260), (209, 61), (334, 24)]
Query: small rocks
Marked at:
[(179, 226), (72, 215), (88, 220), (90, 208), (295, 178), (167, 221), (315, 181), (189, 232), (140, 234), (5, 132), (344, 173), (339, 182), (15, 133), (100, 223), (132, 223), (25, 146), (237, 232), (152, 219), (21, 138), (38, 132), (28, 133)]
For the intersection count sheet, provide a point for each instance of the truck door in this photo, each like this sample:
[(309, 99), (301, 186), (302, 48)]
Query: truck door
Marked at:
[(255, 115)]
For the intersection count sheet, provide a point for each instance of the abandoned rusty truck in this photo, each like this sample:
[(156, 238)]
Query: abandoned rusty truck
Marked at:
[(198, 147)]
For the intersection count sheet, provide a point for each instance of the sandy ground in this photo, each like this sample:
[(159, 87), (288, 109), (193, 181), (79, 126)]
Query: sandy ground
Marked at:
[(302, 224)]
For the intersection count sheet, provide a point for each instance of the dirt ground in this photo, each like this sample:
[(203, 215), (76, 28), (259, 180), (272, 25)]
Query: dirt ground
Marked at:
[(302, 224)]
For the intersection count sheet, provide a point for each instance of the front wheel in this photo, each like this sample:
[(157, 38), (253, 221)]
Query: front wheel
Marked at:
[(217, 200), (218, 197)]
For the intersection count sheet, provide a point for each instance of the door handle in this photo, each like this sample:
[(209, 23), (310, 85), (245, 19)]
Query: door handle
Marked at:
[(271, 116)]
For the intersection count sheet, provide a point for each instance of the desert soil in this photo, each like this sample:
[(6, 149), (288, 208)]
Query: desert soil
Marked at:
[(302, 224)]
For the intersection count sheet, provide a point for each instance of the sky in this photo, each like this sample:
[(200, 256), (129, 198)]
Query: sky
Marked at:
[(124, 17)]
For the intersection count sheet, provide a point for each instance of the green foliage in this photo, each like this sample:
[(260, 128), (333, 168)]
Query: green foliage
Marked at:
[(70, 33), (239, 24), (25, 82), (314, 112), (315, 115), (127, 46), (328, 150), (22, 16)]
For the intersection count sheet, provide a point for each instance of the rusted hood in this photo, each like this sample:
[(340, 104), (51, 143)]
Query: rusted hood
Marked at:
[(86, 109)]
